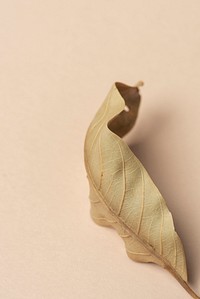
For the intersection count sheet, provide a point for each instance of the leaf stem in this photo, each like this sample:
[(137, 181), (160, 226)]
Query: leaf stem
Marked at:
[(182, 283)]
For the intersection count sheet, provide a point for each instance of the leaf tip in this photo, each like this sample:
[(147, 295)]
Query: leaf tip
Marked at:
[(139, 84)]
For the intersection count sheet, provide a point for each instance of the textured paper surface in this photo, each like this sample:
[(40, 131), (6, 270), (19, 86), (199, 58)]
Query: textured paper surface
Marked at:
[(57, 61)]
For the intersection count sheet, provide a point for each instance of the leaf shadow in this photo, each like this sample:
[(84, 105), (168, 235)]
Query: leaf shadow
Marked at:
[(151, 148)]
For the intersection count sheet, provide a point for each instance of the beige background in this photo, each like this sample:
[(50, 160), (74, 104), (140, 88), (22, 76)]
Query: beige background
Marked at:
[(58, 60)]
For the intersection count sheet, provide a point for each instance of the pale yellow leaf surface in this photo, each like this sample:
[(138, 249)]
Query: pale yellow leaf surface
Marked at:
[(122, 194)]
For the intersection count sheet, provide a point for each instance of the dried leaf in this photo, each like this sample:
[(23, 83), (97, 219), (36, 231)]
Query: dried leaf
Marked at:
[(122, 194)]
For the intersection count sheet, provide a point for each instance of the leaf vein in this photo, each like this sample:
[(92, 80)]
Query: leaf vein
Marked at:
[(142, 204)]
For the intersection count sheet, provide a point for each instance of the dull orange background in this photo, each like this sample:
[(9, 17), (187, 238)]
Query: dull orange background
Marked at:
[(58, 60)]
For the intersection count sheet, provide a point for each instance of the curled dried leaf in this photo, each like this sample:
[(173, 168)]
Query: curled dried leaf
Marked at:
[(122, 194)]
